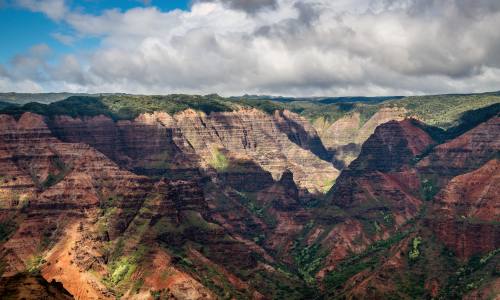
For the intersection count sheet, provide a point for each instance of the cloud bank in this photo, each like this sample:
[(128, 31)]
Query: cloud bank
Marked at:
[(285, 47)]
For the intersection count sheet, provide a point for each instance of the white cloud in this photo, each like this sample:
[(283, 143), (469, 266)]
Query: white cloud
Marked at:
[(27, 86), (54, 9), (64, 38), (289, 47)]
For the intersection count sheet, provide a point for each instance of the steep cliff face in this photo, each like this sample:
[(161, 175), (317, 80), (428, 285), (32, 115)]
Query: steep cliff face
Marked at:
[(465, 153), (83, 220), (467, 210), (159, 143), (148, 145), (301, 132), (447, 243), (339, 133), (29, 287), (344, 137), (254, 135), (196, 206), (465, 172), (378, 192), (66, 203), (381, 173)]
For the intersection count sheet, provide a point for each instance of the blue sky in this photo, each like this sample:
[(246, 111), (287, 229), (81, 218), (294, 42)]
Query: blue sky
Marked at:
[(21, 29)]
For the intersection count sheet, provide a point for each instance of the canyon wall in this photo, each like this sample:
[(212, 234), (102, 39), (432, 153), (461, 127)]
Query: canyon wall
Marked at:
[(242, 203), (158, 143)]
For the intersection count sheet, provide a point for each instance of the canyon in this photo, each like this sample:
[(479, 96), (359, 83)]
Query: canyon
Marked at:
[(248, 204)]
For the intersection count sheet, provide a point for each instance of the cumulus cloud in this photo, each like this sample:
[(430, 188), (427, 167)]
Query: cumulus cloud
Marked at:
[(64, 38), (249, 6), (54, 9), (289, 47)]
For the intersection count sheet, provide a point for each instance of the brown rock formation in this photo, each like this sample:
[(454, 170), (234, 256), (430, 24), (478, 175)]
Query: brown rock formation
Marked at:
[(178, 142), (345, 136), (57, 187), (380, 174), (465, 153), (378, 191), (467, 210), (31, 287), (232, 202)]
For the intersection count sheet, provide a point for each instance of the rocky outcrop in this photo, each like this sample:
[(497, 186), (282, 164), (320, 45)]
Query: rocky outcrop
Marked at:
[(189, 202), (301, 132), (467, 210), (31, 287), (157, 143), (465, 153), (344, 137), (252, 134), (283, 206), (381, 174), (148, 145), (382, 116), (56, 192), (462, 217), (392, 146), (339, 133), (379, 191)]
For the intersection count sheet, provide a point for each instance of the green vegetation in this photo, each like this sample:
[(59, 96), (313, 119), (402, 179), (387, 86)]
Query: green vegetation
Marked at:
[(388, 218), (337, 278), (428, 188), (5, 104), (123, 106), (328, 184), (53, 179), (261, 211), (281, 285), (155, 294), (414, 251), (219, 161), (130, 106), (193, 218), (413, 285), (51, 233), (466, 121), (124, 268), (264, 105), (209, 276), (73, 106), (108, 209), (309, 260), (472, 118), (6, 229), (193, 230), (121, 268), (485, 259), (34, 264), (478, 271), (359, 262), (328, 212), (332, 112), (443, 111), (23, 98), (370, 227), (173, 236)]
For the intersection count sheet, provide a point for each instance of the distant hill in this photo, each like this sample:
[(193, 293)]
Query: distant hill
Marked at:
[(320, 100), (5, 104), (23, 98)]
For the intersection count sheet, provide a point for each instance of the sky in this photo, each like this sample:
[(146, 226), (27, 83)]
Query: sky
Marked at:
[(236, 47)]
